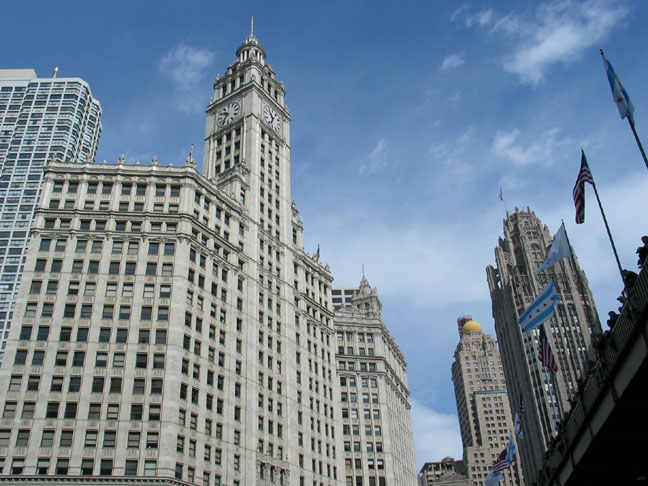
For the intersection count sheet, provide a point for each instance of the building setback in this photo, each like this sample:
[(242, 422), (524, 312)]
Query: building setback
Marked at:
[(446, 472), (485, 418), (514, 285), (170, 325), (374, 398), (40, 118)]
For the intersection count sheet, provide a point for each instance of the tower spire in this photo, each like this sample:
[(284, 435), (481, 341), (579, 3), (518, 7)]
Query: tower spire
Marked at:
[(252, 27)]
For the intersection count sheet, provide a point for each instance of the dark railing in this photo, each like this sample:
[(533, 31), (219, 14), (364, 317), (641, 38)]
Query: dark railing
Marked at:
[(611, 347)]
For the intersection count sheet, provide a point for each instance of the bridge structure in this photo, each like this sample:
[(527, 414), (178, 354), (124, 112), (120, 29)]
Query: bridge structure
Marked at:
[(603, 439)]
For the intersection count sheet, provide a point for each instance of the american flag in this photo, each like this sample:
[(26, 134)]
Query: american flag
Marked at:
[(544, 352), (501, 463), (519, 418), (584, 175)]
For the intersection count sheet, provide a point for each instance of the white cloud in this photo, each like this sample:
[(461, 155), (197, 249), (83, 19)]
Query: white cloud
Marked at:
[(452, 156), (452, 61), (541, 151), (559, 32), (443, 261), (187, 66), (482, 18), (436, 435), (563, 30), (377, 158)]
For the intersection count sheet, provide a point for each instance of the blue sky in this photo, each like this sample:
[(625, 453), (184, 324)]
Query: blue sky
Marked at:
[(407, 118)]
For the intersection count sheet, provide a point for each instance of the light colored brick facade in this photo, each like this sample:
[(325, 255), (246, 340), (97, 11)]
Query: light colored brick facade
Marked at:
[(170, 325), (377, 427), (485, 418)]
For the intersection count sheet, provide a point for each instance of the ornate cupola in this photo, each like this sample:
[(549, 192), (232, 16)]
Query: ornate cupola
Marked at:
[(251, 49)]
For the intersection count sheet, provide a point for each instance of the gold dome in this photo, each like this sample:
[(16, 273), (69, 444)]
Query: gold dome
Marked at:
[(472, 326)]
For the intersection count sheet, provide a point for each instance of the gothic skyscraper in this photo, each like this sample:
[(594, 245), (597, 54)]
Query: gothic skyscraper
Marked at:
[(514, 285)]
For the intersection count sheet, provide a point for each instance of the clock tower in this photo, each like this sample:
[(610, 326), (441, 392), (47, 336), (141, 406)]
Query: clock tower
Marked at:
[(288, 292)]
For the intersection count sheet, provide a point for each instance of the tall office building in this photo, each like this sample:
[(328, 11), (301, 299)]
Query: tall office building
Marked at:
[(39, 118), (514, 285), (377, 427), (170, 325), (485, 418)]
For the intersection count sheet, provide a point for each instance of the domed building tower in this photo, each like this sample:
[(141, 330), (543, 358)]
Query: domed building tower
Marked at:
[(485, 417)]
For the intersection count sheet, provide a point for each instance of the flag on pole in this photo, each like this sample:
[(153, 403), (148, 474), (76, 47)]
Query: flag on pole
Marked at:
[(584, 175), (559, 249), (501, 463), (493, 479), (619, 94), (501, 195), (510, 454), (317, 254), (545, 355), (541, 309), (519, 418)]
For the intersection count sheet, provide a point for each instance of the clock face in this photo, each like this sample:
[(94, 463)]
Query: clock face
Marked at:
[(272, 118), (228, 114)]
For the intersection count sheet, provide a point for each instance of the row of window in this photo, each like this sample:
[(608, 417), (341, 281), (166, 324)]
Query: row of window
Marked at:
[(84, 311), (144, 336), (124, 206), (355, 430), (88, 468), (69, 410), (365, 381), (368, 413), (120, 226), (127, 188), (60, 245), (353, 397), (90, 288), (56, 266)]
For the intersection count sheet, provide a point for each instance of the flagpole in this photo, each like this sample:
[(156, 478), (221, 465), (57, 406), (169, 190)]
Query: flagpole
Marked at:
[(634, 132), (607, 227), (581, 285)]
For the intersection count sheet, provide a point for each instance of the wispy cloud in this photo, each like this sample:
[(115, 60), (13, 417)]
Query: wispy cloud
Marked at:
[(452, 154), (541, 151), (187, 66), (563, 31), (452, 61), (436, 435), (559, 31), (482, 18), (377, 158)]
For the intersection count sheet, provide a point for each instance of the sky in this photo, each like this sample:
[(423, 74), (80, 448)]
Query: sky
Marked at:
[(407, 119)]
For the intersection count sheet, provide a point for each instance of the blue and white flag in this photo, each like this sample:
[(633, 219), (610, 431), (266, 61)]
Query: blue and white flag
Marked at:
[(559, 249), (541, 309), (619, 94), (493, 479), (510, 454)]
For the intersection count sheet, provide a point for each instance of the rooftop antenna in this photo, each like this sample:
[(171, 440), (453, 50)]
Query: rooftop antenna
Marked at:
[(55, 72)]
